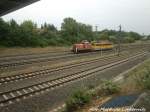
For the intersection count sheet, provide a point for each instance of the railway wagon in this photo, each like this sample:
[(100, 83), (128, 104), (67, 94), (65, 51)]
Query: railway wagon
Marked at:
[(86, 46)]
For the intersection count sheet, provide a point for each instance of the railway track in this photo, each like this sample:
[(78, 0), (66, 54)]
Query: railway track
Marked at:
[(17, 77), (9, 58), (31, 55), (11, 96), (7, 65), (23, 76), (22, 60)]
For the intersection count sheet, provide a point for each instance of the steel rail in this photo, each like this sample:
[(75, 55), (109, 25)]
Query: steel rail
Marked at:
[(13, 63), (7, 65), (22, 76), (10, 96)]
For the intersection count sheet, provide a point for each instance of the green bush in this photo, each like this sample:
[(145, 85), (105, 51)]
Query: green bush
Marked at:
[(128, 40), (77, 100), (145, 79), (110, 88)]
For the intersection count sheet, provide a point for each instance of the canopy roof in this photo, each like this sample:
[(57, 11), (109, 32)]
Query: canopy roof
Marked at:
[(7, 6)]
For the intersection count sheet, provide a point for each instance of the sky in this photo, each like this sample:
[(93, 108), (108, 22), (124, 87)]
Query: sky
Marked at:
[(133, 15)]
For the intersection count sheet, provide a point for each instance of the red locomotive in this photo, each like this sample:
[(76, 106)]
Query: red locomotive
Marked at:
[(84, 46)]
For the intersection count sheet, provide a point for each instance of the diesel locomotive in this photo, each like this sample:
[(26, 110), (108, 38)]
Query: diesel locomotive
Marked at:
[(86, 46)]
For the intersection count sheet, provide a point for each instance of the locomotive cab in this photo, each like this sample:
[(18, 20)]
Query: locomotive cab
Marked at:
[(82, 47)]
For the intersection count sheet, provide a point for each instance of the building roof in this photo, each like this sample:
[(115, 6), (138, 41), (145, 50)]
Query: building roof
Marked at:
[(7, 6)]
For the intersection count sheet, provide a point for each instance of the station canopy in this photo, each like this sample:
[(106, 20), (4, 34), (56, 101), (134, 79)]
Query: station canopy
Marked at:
[(7, 6)]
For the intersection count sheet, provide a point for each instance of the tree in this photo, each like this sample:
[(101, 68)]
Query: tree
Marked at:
[(4, 32), (69, 27), (28, 26), (86, 32), (28, 34), (134, 35), (74, 31), (104, 36), (148, 37), (113, 39), (129, 40), (48, 27)]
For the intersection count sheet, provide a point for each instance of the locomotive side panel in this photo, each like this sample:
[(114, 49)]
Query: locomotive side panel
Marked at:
[(81, 48), (85, 46), (102, 46)]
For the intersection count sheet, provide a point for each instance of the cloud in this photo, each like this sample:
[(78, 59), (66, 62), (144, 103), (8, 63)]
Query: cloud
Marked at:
[(132, 14)]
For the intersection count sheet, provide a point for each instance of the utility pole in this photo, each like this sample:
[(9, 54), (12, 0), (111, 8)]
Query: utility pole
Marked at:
[(119, 39), (96, 28), (142, 47)]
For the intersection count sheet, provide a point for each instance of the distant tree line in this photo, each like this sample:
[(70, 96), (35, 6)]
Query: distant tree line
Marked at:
[(125, 37), (27, 34)]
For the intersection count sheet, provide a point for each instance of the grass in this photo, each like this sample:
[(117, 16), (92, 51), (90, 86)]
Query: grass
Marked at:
[(142, 77), (139, 77), (77, 100), (110, 88), (29, 50), (84, 96)]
